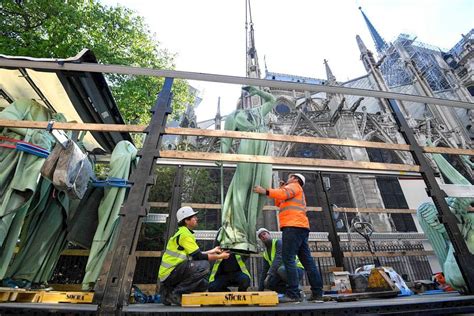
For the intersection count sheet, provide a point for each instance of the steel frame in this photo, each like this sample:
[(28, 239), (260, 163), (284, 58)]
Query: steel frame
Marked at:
[(113, 287)]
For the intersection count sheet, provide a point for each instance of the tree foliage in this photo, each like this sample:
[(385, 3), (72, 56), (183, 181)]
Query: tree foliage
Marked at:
[(116, 35)]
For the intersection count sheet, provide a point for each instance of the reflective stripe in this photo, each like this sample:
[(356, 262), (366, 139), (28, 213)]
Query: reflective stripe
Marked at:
[(297, 201), (293, 208), (167, 265), (175, 254), (291, 190), (287, 194), (242, 266), (215, 267)]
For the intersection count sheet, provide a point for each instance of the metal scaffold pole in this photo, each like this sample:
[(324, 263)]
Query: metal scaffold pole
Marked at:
[(112, 290), (462, 254)]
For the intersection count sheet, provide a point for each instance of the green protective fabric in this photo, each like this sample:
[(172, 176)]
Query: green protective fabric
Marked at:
[(241, 205), (435, 231), (121, 161), (43, 236), (19, 174), (83, 224)]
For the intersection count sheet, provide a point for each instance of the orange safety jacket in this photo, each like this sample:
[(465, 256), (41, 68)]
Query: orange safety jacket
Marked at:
[(292, 203)]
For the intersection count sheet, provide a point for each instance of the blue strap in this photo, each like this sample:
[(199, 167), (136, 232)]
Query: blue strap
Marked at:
[(112, 182), (40, 152)]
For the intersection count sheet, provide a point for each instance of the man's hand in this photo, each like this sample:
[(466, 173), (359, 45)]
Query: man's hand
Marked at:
[(216, 250), (267, 280), (224, 255), (260, 190)]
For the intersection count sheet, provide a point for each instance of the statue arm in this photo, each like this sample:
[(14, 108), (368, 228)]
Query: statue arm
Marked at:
[(228, 126), (269, 99)]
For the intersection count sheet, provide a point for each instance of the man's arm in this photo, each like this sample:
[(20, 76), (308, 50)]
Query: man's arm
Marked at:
[(263, 275)]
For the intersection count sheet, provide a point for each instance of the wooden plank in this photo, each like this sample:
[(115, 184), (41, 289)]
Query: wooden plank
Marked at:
[(94, 127), (365, 165), (208, 206), (447, 150), (285, 138), (268, 298), (75, 252)]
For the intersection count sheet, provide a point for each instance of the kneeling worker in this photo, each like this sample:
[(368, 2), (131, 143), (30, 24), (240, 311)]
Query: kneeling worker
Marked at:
[(230, 272), (184, 267), (274, 275)]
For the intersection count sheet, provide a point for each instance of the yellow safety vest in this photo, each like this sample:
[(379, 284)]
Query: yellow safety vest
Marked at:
[(241, 263), (272, 256), (173, 256)]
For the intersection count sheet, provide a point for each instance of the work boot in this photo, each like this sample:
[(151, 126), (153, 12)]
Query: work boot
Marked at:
[(164, 295), (175, 298), (318, 298), (287, 299)]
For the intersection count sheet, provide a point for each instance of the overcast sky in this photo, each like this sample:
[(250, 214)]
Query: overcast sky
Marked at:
[(295, 36)]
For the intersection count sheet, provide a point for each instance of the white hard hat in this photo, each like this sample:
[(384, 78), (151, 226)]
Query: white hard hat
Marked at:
[(185, 212), (261, 230), (300, 176)]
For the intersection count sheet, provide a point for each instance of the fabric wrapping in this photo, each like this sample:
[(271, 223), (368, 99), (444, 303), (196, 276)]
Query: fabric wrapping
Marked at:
[(241, 205), (123, 156), (19, 173)]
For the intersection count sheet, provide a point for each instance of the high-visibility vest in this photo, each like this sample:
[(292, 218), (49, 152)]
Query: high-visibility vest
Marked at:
[(273, 253), (173, 256), (292, 203), (241, 263)]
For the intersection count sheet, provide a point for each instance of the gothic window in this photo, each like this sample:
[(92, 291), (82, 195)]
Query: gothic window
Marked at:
[(339, 193), (282, 108), (471, 90), (392, 194)]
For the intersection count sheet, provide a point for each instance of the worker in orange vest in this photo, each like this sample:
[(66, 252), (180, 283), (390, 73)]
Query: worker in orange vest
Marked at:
[(294, 224)]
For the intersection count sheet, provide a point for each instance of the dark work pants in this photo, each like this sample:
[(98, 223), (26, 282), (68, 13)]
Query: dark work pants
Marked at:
[(187, 277), (277, 281), (295, 243), (224, 280)]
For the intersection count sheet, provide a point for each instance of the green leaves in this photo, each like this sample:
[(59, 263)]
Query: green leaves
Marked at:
[(116, 35)]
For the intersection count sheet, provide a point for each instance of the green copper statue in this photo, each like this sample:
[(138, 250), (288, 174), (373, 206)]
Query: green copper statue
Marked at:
[(242, 206), (436, 232)]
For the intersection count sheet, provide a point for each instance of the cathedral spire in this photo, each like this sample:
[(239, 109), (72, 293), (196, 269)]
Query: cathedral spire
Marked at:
[(253, 69), (380, 44), (330, 77), (365, 55)]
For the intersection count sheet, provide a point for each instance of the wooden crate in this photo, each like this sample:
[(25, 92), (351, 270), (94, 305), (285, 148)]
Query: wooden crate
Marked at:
[(229, 298), (18, 295)]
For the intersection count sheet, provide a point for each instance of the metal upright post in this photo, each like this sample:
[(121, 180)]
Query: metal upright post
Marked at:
[(323, 199), (113, 287), (462, 254), (175, 202)]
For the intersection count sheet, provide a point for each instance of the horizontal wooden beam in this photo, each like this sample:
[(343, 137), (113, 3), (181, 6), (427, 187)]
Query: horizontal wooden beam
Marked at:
[(362, 165), (207, 206), (130, 70), (285, 138), (94, 127)]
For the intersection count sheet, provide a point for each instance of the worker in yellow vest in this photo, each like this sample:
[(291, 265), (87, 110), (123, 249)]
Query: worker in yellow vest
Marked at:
[(230, 272), (274, 275), (184, 267)]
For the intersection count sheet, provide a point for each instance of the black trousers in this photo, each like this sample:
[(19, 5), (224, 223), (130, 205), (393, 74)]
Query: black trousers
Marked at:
[(189, 276)]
